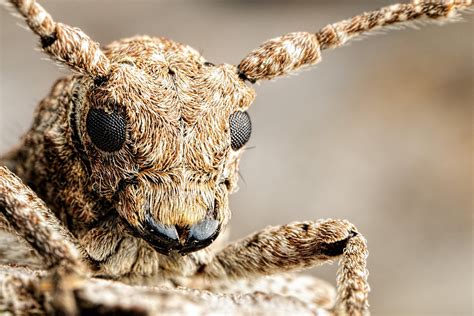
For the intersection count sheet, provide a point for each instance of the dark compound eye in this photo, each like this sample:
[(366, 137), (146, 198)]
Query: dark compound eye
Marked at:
[(240, 129), (107, 131)]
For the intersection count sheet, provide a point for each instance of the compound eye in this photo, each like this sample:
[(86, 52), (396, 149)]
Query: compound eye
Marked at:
[(106, 131), (240, 129)]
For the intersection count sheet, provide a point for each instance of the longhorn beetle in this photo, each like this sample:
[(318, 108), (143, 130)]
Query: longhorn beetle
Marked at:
[(123, 180)]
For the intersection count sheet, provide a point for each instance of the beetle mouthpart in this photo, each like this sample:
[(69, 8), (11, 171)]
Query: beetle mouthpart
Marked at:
[(201, 235), (168, 238)]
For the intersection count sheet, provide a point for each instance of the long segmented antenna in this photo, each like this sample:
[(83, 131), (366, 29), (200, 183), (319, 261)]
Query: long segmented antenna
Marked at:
[(283, 55), (64, 43)]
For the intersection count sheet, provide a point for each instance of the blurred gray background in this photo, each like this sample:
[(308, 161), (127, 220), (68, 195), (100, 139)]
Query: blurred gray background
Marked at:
[(379, 133)]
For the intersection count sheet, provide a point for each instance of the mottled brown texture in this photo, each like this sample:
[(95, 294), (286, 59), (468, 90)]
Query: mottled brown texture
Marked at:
[(63, 43), (31, 219), (289, 53), (100, 297), (177, 167)]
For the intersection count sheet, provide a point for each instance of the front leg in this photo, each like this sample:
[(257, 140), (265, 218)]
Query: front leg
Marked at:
[(299, 246), (25, 214)]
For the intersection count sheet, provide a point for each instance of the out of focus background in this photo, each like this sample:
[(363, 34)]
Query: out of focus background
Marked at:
[(379, 133)]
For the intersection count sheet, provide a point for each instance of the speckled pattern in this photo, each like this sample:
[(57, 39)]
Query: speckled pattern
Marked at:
[(283, 55), (176, 164)]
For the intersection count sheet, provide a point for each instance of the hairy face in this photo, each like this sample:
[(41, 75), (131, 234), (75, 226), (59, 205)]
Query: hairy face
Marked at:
[(161, 136)]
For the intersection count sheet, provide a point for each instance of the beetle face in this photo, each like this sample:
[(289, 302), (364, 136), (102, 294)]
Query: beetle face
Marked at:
[(162, 135)]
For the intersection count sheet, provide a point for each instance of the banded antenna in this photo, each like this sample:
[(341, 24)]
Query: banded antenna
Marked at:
[(63, 43), (286, 54)]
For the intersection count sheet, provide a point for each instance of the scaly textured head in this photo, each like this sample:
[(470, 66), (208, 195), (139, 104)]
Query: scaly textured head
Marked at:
[(158, 134)]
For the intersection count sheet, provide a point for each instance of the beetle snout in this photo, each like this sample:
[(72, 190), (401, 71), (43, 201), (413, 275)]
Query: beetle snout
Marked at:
[(182, 239)]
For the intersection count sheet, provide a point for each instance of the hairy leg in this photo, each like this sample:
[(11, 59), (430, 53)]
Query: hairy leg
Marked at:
[(299, 246), (27, 215)]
